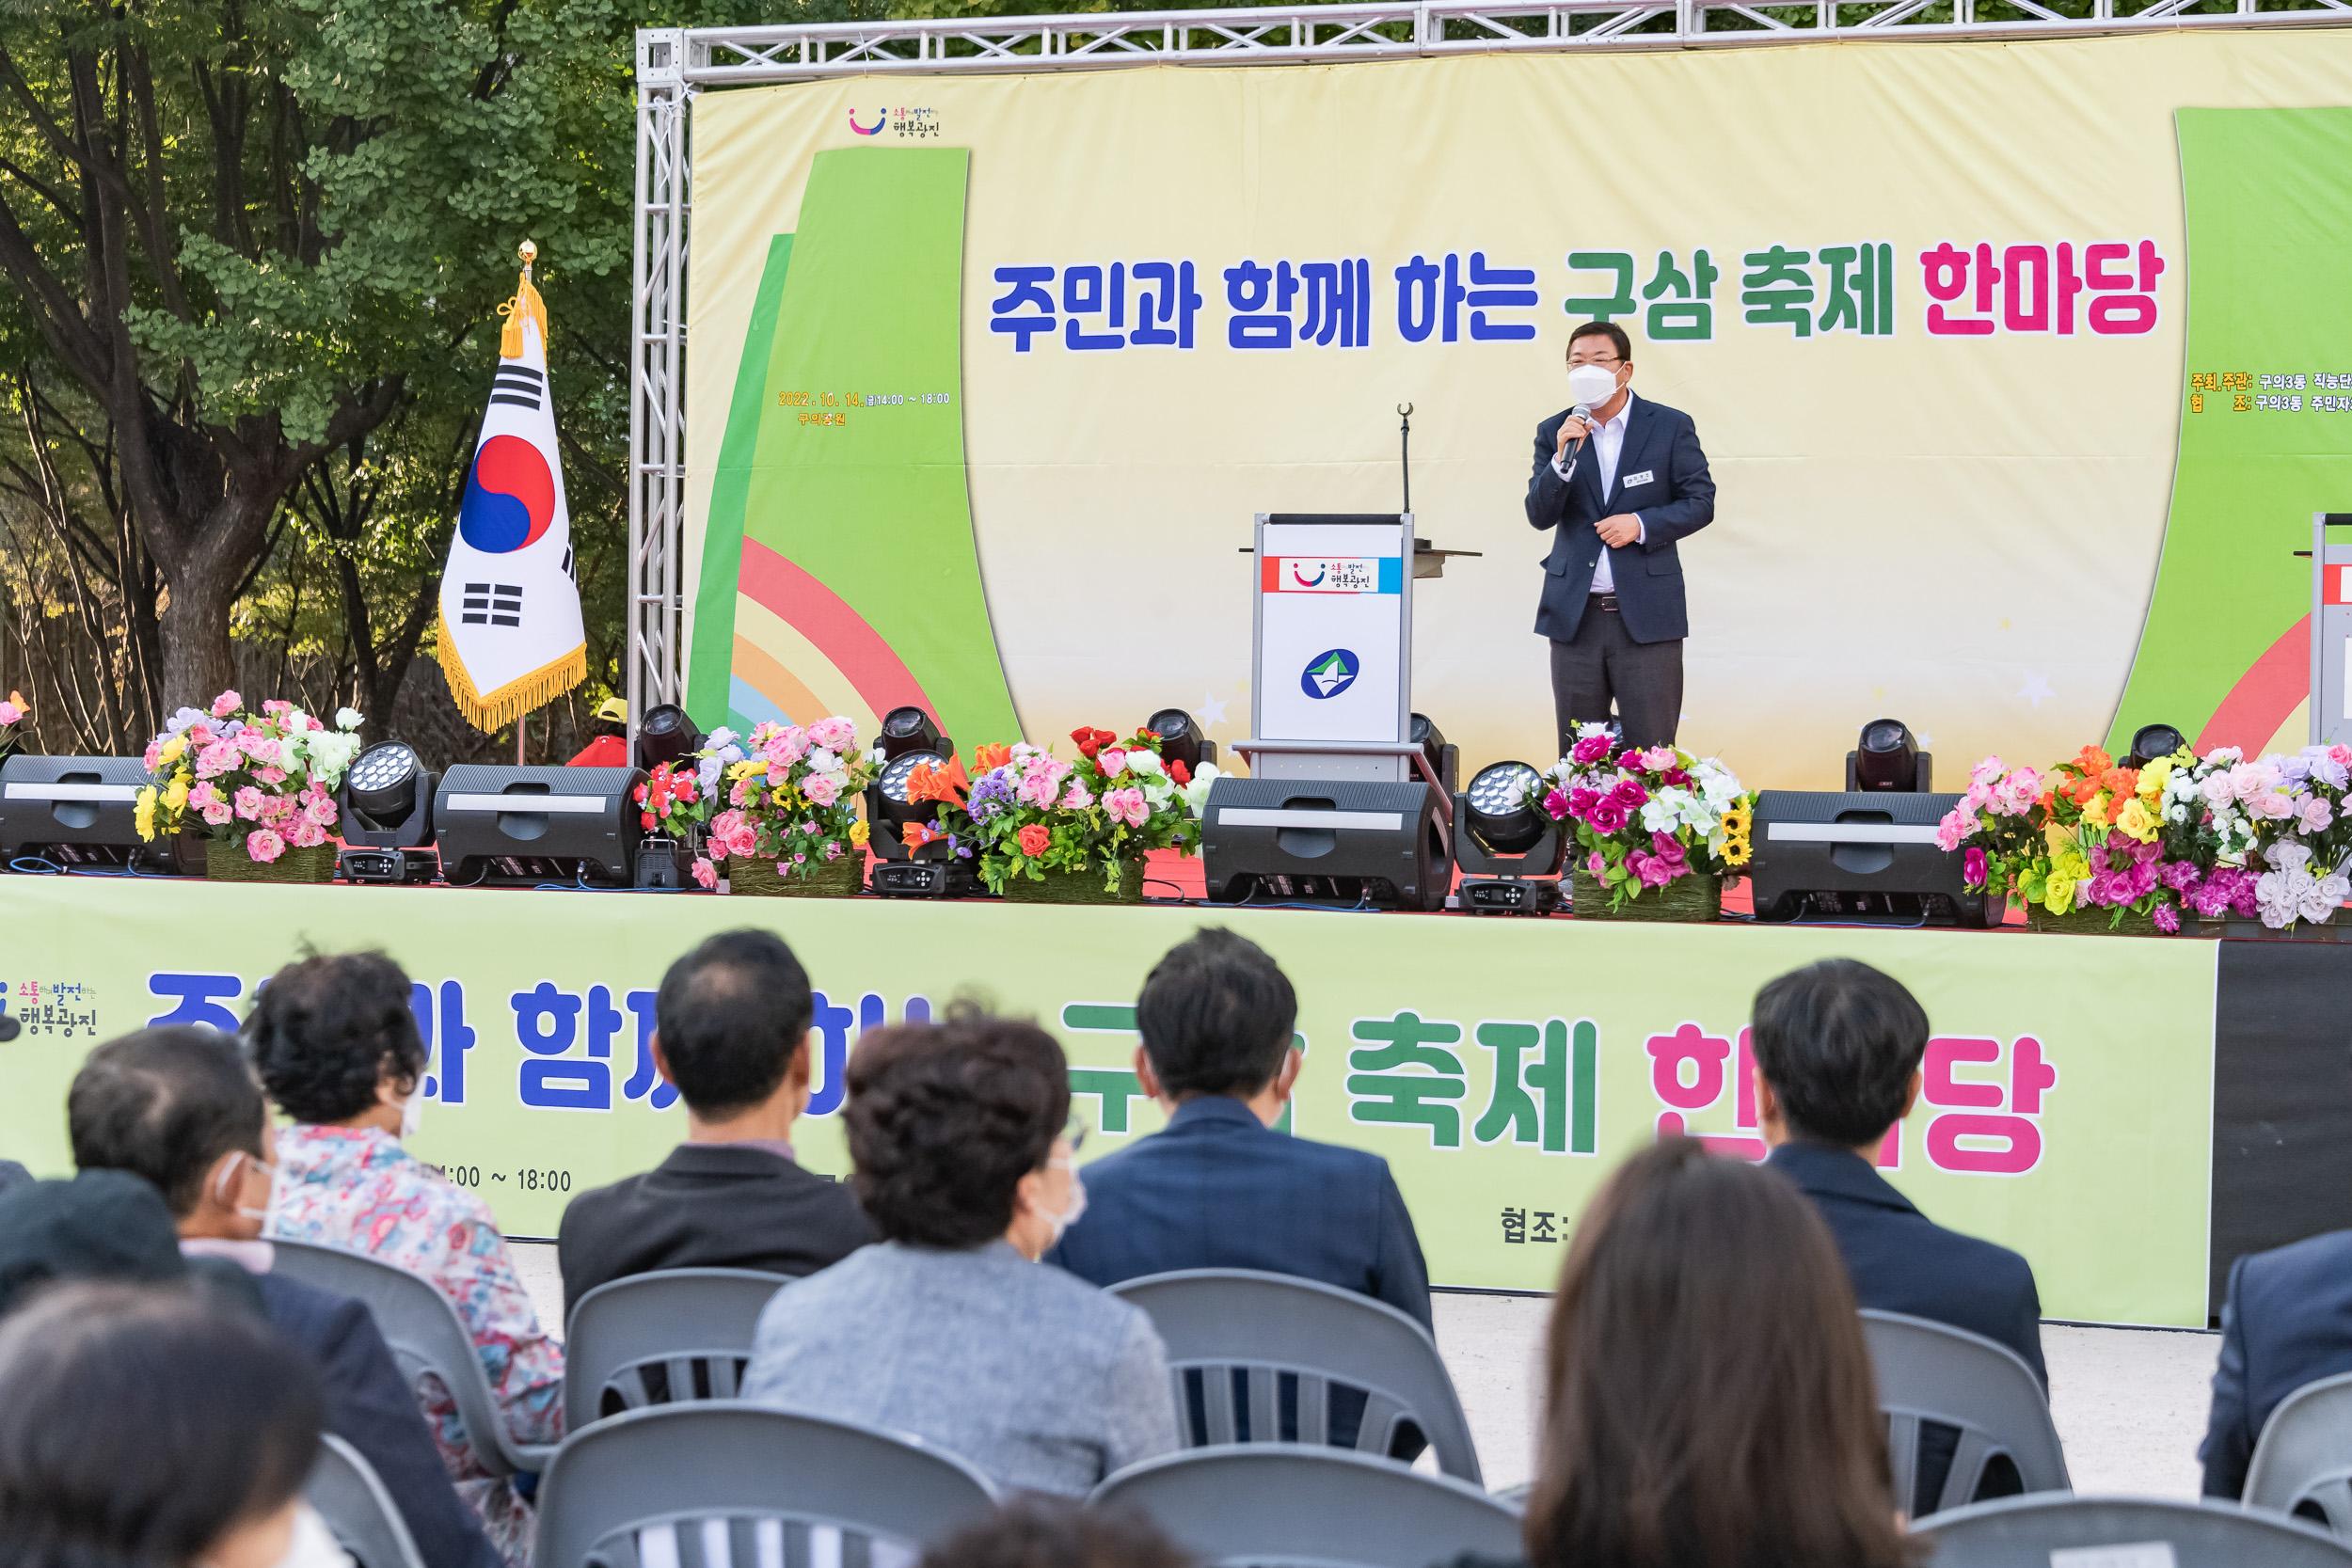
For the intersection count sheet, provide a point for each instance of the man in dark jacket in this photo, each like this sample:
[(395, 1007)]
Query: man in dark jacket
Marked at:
[(1220, 1188), (2287, 1321), (731, 1032), (178, 1108), (1838, 1050)]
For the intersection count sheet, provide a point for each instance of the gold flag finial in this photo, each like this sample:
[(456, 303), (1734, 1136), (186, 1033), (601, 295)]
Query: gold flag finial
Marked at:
[(524, 303)]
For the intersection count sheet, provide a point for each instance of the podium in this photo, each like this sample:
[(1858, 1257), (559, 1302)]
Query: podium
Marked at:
[(1342, 806), (2331, 632)]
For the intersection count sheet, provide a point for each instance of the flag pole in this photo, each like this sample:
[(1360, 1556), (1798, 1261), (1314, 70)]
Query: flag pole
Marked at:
[(530, 253)]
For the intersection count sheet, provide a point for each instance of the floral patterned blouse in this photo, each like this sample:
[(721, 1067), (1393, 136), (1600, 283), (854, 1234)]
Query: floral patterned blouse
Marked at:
[(356, 1188)]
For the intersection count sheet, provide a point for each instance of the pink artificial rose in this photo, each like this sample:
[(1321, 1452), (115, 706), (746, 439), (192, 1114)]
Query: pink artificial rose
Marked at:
[(742, 794), (1556, 805), (835, 735), (259, 747), (217, 813), (1126, 805), (2315, 814), (1630, 759), (203, 795), (1607, 816), (276, 704), (1077, 797), (744, 841), (316, 723), (1598, 866), (833, 850), (1582, 801), (320, 809), (1589, 749), (224, 704), (706, 874), (215, 759), (1658, 758), (1986, 772), (263, 844), (155, 747), (249, 804), (1628, 794), (306, 835), (1112, 763), (821, 789), (1971, 867), (1653, 869), (1956, 826), (2271, 804), (270, 775)]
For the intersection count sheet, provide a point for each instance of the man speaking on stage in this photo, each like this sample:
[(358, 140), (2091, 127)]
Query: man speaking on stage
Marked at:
[(1620, 480)]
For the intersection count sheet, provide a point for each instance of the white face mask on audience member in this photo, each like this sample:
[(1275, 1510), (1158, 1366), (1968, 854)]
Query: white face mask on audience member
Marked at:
[(1036, 1227)]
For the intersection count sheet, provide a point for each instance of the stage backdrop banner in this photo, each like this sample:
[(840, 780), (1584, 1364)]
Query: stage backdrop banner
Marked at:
[(992, 373), (1501, 1068)]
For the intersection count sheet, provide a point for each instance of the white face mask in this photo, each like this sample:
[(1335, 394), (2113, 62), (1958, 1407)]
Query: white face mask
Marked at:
[(1592, 386), (1069, 1216), (412, 1112), (224, 1186)]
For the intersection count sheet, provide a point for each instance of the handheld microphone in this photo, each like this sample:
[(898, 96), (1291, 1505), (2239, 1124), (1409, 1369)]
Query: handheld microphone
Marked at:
[(1582, 411)]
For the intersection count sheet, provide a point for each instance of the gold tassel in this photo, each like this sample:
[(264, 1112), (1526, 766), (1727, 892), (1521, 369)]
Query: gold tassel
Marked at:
[(493, 711)]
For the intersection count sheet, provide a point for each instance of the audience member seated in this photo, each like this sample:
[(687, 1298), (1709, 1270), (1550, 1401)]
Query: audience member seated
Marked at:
[(1708, 1400), (731, 1032), (101, 1225), (179, 1107), (1837, 1049), (1220, 1188), (338, 1050), (150, 1426), (947, 1328), (1033, 1532), (2287, 1321)]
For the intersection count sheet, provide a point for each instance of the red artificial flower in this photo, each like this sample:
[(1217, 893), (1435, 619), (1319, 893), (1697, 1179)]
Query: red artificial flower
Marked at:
[(1178, 771), (640, 795), (647, 818), (1090, 740), (684, 790), (1034, 839)]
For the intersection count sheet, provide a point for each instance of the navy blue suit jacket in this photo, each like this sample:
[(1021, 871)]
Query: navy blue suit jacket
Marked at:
[(370, 1405), (1219, 1188), (1675, 501), (2288, 1322), (1902, 1262)]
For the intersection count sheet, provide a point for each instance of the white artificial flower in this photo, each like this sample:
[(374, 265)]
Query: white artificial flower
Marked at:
[(1658, 815), (822, 761), (875, 756), (1196, 793), (348, 718), (1143, 762)]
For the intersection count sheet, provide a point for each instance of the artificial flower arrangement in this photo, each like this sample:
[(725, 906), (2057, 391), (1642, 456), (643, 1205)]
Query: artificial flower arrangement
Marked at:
[(790, 796), (672, 802), (1028, 811), (2216, 835), (264, 783), (1646, 818), (12, 713)]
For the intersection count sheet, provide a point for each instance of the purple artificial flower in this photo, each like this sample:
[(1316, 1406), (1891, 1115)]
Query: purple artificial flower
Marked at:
[(2180, 876), (1669, 850), (2167, 919), (2143, 880), (2097, 856), (1652, 869), (992, 795), (1971, 867)]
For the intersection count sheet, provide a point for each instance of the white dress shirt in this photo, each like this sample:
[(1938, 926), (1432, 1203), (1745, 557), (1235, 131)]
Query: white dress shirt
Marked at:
[(1606, 441)]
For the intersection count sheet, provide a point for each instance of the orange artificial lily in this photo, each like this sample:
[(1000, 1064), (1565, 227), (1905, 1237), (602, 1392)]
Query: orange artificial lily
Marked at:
[(948, 785), (989, 758)]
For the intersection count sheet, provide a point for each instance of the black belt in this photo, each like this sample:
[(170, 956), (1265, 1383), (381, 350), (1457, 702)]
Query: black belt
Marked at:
[(1607, 603)]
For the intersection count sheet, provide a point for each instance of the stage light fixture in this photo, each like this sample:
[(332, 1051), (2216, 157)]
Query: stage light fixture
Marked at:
[(1181, 739), (507, 825), (1887, 760), (2151, 741), (77, 813), (1508, 849), (666, 735), (386, 817), (911, 729)]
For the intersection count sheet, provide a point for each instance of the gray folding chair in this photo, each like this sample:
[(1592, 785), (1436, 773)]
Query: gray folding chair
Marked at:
[(1932, 1371), (661, 1337), (2124, 1532), (1272, 1504), (2304, 1455), (729, 1485), (426, 1336), (1266, 1350), (345, 1489)]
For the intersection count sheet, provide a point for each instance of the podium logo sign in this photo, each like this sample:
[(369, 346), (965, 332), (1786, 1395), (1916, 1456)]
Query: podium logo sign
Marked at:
[(1328, 673), (1354, 574)]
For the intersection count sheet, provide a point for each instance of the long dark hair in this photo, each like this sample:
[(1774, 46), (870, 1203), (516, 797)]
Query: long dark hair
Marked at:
[(139, 1423), (1710, 1402)]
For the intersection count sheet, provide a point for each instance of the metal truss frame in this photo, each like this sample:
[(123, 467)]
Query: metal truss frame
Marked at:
[(674, 64)]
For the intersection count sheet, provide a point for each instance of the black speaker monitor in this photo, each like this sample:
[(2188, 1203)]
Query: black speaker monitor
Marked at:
[(1338, 841), (1858, 853), (77, 812), (508, 827)]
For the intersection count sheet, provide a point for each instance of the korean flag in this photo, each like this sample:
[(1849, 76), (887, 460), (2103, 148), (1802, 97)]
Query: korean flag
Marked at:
[(511, 636)]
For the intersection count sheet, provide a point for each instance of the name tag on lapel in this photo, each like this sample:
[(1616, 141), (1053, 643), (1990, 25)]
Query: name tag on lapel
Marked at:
[(1632, 479)]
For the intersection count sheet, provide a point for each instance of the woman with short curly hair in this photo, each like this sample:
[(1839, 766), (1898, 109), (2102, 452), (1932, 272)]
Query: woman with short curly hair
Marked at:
[(947, 1329), (337, 1048)]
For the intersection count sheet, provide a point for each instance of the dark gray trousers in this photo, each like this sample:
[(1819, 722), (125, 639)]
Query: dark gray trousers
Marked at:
[(1601, 663)]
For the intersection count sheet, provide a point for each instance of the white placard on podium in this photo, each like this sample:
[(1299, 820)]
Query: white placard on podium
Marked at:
[(1332, 645)]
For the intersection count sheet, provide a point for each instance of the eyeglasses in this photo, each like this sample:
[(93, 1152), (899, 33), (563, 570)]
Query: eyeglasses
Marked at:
[(1611, 363), (1074, 1132)]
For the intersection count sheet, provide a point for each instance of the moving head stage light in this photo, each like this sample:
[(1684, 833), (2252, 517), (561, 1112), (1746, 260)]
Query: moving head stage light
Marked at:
[(386, 817), (1181, 739), (1509, 851), (510, 827), (78, 812), (666, 735), (1870, 851), (2151, 741), (911, 740), (1887, 759)]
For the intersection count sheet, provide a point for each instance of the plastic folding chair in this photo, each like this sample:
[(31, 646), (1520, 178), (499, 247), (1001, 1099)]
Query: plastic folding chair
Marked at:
[(2048, 1531), (1268, 1349), (426, 1336), (345, 1489), (1275, 1504), (656, 1338), (729, 1486), (1932, 1371), (2304, 1455)]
